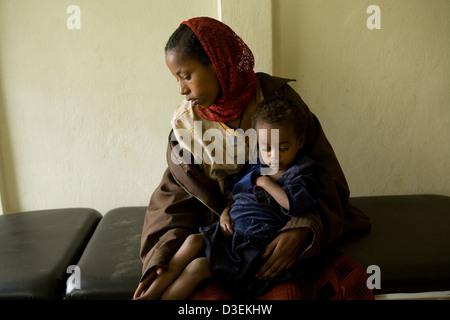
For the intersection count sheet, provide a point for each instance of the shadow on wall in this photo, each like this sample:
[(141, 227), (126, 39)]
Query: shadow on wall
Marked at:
[(8, 185)]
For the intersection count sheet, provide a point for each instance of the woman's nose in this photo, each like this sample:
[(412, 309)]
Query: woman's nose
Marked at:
[(184, 90)]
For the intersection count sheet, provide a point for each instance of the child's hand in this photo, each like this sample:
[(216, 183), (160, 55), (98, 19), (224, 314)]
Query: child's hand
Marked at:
[(226, 224), (262, 181), (269, 184)]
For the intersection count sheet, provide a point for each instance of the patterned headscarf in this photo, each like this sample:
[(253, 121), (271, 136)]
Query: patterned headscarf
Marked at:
[(233, 61)]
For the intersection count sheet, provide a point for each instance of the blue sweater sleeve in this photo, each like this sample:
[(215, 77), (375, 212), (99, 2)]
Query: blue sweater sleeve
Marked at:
[(301, 189)]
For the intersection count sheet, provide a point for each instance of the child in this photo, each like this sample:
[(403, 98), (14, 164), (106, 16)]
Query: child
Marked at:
[(262, 205)]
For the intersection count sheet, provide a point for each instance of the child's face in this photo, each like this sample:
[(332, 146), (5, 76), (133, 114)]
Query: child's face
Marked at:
[(198, 82), (281, 157)]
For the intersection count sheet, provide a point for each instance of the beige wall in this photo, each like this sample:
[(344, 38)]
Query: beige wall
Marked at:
[(85, 113), (383, 96)]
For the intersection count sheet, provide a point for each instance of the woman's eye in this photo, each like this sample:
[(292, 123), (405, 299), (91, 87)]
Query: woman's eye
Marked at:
[(187, 78)]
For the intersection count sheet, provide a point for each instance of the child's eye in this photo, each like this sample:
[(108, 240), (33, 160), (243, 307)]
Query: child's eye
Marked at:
[(187, 78)]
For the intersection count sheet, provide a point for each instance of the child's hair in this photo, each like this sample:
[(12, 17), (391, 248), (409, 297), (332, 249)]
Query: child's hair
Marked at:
[(280, 111), (185, 42)]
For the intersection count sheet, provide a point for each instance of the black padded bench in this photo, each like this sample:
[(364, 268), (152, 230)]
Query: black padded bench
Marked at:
[(409, 242), (110, 265), (37, 247)]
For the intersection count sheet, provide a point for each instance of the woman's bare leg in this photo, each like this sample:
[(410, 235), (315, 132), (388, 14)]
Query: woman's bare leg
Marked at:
[(196, 272), (188, 251)]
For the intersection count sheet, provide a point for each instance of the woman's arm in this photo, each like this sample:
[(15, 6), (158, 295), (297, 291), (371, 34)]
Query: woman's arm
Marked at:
[(171, 216), (147, 281)]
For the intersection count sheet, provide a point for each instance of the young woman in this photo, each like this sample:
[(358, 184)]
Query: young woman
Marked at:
[(214, 68)]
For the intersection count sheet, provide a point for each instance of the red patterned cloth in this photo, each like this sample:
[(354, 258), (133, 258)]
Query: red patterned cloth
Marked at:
[(233, 61), (342, 278)]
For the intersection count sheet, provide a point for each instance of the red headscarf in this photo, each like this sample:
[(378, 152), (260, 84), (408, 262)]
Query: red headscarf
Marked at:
[(233, 62)]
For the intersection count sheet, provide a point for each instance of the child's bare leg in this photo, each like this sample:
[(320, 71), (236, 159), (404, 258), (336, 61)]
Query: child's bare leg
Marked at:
[(188, 251), (196, 272)]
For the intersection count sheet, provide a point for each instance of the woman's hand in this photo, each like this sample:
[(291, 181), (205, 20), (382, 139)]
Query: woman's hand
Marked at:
[(283, 251), (146, 282)]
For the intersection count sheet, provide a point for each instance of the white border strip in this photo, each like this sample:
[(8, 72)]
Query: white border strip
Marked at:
[(432, 295)]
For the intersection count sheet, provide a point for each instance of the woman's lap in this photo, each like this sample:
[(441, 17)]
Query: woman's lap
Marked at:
[(341, 278)]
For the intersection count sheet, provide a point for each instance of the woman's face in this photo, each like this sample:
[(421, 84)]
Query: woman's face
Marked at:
[(198, 82)]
